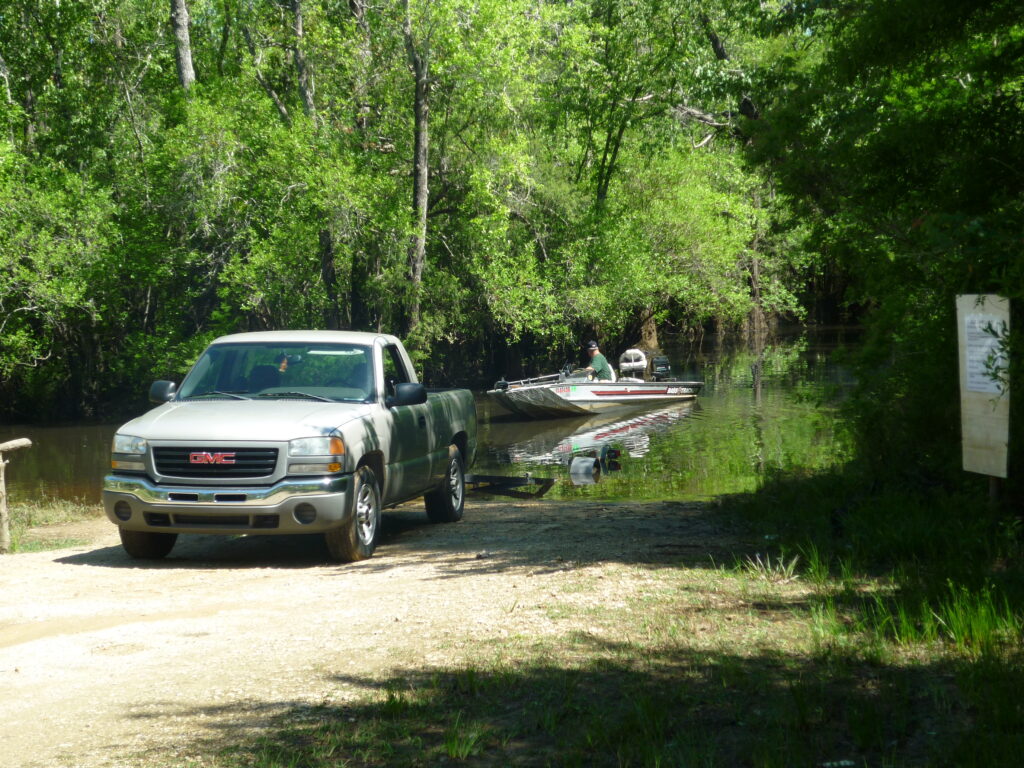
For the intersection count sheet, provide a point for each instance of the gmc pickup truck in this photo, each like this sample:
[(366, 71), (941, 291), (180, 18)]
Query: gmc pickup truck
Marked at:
[(290, 432)]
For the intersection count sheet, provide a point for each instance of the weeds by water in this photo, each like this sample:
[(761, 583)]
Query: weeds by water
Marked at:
[(43, 512), (907, 577), (905, 568)]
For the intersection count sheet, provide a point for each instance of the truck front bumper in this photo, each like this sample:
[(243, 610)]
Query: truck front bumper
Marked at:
[(308, 505)]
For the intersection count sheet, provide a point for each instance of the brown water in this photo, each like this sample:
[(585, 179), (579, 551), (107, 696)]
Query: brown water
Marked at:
[(64, 462)]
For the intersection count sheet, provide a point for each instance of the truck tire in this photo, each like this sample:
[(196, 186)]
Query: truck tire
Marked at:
[(357, 539), (446, 502), (147, 545)]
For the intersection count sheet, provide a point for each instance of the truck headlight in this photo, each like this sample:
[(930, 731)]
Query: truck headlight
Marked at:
[(128, 451), (320, 455), (129, 444), (317, 446)]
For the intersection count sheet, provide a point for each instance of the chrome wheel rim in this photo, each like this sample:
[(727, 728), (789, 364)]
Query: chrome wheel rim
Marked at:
[(366, 513), (455, 486)]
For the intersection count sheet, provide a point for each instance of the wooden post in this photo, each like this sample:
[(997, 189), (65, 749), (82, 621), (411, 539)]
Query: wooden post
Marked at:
[(5, 520)]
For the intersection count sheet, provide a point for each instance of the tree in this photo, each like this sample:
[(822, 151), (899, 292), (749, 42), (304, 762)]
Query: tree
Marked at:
[(182, 43), (896, 130)]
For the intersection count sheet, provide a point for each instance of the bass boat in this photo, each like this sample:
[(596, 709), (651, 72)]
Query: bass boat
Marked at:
[(568, 393)]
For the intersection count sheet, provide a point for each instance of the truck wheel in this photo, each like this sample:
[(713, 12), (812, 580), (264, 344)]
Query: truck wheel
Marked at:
[(147, 545), (445, 504), (358, 538)]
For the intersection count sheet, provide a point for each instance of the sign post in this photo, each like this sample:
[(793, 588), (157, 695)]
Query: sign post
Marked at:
[(5, 520), (983, 322)]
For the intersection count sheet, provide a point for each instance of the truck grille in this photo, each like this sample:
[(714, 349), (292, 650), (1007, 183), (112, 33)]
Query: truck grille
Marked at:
[(215, 462)]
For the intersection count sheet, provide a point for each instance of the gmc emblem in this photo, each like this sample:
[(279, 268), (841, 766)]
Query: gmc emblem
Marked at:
[(211, 458)]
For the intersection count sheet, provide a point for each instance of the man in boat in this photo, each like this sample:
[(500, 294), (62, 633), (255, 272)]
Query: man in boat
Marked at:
[(598, 367)]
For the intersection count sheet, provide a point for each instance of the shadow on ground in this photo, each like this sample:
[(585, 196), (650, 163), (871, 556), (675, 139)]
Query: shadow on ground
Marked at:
[(493, 537), (633, 706)]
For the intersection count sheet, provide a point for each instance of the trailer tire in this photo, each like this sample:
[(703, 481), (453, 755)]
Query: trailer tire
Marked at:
[(357, 539), (446, 503), (147, 545)]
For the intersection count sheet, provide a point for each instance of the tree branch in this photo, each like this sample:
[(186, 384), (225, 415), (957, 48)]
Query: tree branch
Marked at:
[(716, 42), (686, 114), (257, 58), (305, 76)]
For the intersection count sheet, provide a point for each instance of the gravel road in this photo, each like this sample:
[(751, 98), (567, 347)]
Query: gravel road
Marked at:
[(106, 661)]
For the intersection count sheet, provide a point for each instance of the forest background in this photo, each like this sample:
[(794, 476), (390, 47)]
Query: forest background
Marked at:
[(497, 180)]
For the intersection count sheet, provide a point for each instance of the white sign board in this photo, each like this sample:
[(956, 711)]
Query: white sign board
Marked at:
[(983, 321)]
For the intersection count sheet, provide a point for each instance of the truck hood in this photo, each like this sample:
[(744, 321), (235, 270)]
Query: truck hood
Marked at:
[(228, 421)]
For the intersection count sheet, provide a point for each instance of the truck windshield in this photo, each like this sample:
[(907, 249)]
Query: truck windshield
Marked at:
[(334, 372)]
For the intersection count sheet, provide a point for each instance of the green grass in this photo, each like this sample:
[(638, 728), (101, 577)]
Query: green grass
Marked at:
[(776, 661), (38, 514), (667, 708), (768, 567), (45, 545), (868, 629)]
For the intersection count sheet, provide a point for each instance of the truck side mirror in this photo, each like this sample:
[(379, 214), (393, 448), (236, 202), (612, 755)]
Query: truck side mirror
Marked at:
[(162, 391), (407, 393)]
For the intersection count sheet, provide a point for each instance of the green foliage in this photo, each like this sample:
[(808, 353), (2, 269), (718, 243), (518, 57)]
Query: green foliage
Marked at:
[(895, 127), (53, 228), (567, 196)]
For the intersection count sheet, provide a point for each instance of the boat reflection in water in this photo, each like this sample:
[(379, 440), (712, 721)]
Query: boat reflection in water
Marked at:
[(604, 438)]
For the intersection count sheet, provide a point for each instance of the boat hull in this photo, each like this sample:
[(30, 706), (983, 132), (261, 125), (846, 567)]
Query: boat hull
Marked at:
[(565, 398)]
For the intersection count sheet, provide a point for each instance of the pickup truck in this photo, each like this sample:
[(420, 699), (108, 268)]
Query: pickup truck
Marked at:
[(283, 432)]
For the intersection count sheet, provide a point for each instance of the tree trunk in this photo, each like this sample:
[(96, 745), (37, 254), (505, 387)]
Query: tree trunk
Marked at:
[(649, 331), (420, 66), (364, 65), (182, 43), (30, 118), (302, 70), (5, 75), (225, 38), (329, 275), (359, 311), (757, 312)]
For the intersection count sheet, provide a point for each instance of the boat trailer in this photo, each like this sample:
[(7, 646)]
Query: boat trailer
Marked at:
[(585, 469), (505, 485)]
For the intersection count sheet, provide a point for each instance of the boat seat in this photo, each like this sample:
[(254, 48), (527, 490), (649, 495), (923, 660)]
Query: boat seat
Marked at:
[(614, 376)]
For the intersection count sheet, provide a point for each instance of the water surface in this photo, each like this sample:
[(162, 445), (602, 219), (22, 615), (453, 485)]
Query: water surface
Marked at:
[(764, 408)]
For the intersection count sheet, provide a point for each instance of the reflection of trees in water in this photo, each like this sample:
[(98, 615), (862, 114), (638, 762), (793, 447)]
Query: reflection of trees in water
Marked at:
[(759, 360), (737, 431), (64, 462)]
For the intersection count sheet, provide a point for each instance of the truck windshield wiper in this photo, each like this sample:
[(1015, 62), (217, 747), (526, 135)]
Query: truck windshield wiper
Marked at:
[(306, 395), (217, 392)]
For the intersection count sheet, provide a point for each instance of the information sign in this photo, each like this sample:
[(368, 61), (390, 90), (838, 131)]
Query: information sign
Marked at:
[(983, 321)]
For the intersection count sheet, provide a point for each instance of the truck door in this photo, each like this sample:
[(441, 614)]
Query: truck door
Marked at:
[(409, 471)]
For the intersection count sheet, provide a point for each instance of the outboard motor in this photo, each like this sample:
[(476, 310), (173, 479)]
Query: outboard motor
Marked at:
[(661, 369)]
